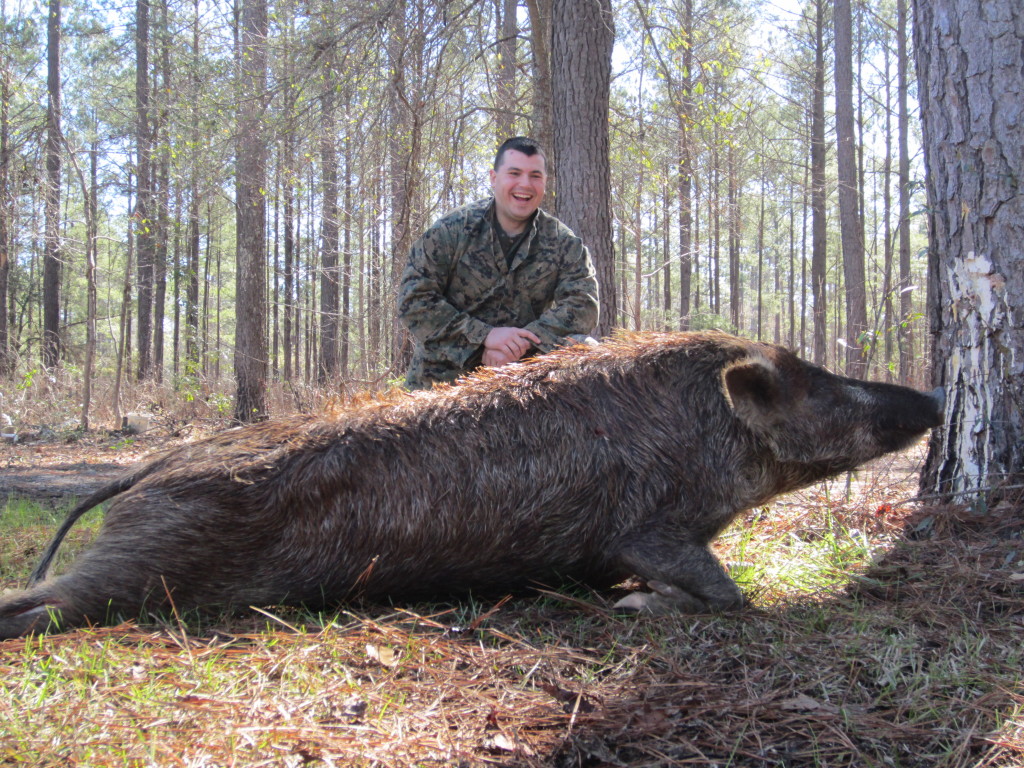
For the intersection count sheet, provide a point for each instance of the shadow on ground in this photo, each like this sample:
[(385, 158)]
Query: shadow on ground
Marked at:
[(918, 664)]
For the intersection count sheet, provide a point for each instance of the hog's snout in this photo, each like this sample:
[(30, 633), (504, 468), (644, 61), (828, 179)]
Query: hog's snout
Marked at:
[(932, 414), (899, 415)]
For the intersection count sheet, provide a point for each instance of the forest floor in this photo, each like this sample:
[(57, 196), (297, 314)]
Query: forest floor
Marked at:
[(880, 632), (50, 470), (50, 464)]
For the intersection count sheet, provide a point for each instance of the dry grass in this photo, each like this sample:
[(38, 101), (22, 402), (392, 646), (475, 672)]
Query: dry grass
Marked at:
[(35, 400), (862, 647)]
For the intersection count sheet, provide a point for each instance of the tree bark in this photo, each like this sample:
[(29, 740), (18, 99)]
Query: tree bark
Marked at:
[(91, 242), (403, 153), (849, 208), (969, 57), (145, 226), (52, 256), (161, 192), (638, 209), (192, 236), (124, 325), (541, 126), (666, 259), (905, 335), (715, 235), (505, 85), (328, 369), (6, 196), (758, 330), (346, 250), (582, 38), (818, 191), (289, 172), (733, 203), (251, 290), (687, 251)]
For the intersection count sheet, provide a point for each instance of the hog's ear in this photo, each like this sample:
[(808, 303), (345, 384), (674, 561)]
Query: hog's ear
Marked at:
[(754, 389)]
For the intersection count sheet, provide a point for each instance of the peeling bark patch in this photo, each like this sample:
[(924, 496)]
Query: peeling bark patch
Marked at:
[(978, 296)]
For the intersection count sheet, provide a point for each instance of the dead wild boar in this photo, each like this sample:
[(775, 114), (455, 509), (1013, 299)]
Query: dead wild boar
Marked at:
[(588, 464)]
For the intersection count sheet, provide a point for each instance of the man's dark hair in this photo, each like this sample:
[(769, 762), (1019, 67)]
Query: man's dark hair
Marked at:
[(524, 144)]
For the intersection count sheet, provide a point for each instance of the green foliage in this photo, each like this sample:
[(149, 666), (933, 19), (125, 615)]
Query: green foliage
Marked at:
[(27, 380), (222, 403)]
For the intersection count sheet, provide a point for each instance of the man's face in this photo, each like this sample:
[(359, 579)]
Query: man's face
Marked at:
[(518, 186)]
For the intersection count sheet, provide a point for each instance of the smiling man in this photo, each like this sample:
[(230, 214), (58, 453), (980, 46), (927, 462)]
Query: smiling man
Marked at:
[(496, 280)]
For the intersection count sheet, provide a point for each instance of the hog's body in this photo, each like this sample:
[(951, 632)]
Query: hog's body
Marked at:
[(588, 464)]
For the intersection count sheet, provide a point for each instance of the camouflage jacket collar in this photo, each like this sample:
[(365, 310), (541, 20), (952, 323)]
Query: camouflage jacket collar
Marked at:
[(480, 225)]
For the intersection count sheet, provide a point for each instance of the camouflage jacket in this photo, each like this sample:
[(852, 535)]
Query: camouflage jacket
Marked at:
[(457, 286)]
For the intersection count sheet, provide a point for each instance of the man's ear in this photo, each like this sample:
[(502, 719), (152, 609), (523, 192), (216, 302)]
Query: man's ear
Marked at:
[(753, 387)]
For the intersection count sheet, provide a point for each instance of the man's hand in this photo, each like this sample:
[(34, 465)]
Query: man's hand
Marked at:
[(506, 345)]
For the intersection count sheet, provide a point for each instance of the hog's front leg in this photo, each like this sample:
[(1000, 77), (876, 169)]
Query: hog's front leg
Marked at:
[(684, 578)]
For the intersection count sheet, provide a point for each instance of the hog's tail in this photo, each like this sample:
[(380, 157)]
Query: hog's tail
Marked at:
[(120, 485)]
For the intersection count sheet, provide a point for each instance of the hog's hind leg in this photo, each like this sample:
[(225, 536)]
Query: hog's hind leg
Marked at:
[(99, 588), (683, 578), (39, 609)]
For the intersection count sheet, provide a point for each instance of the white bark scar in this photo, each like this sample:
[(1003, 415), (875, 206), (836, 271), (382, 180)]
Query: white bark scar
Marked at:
[(978, 362)]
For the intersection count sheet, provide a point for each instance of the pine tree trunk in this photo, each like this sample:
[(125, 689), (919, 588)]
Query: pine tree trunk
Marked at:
[(887, 244), (52, 250), (161, 195), (818, 191), (969, 57), (849, 209), (541, 126), (905, 336), (638, 223), (715, 240), (505, 86), (288, 163), (124, 331), (145, 226), (687, 251), (733, 204), (91, 243), (583, 34), (328, 369), (250, 203), (346, 267), (192, 228), (666, 239), (403, 153), (6, 355)]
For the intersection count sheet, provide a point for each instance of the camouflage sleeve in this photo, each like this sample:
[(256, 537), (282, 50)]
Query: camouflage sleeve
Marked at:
[(574, 309), (449, 332)]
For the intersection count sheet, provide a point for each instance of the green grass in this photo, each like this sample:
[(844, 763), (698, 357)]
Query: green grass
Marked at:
[(23, 513), (26, 528)]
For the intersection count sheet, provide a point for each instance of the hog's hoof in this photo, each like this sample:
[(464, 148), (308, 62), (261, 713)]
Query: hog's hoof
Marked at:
[(665, 600)]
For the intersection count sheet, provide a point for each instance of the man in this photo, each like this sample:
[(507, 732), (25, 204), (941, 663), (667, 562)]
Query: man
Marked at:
[(496, 280)]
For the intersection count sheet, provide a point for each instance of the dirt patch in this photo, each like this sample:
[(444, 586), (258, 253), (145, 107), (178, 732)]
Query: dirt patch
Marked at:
[(51, 469), (54, 484)]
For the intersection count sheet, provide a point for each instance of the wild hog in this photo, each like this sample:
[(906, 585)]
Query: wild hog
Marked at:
[(590, 464)]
